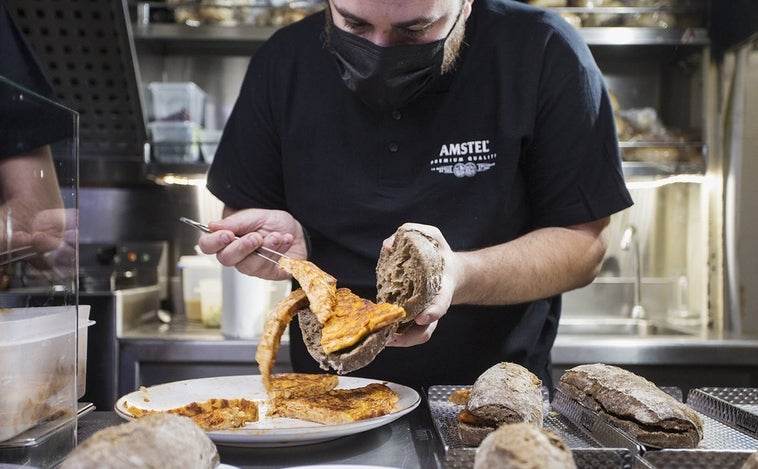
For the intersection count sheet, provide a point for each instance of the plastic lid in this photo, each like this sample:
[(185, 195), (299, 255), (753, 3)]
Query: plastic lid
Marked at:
[(198, 261), (21, 325)]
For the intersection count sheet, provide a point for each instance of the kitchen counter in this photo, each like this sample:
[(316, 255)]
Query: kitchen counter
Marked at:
[(154, 353), (409, 442)]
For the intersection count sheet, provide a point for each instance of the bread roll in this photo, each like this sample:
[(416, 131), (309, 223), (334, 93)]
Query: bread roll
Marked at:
[(504, 393), (156, 441), (634, 405), (751, 462), (522, 446), (410, 274)]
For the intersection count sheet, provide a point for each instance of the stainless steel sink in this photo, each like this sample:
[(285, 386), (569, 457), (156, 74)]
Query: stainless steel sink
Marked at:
[(618, 326)]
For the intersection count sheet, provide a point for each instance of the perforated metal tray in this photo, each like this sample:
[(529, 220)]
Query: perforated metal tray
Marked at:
[(736, 407), (588, 454), (721, 447)]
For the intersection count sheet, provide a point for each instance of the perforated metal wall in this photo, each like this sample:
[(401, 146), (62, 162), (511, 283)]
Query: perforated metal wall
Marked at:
[(88, 51)]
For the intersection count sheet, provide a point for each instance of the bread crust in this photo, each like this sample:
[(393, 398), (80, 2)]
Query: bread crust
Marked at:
[(523, 446), (341, 361), (504, 393), (156, 441), (409, 275), (634, 404)]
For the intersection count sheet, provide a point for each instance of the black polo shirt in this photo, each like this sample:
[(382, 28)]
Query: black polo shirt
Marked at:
[(520, 136), (32, 121)]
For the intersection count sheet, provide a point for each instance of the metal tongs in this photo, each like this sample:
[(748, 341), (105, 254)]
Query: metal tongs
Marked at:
[(205, 229)]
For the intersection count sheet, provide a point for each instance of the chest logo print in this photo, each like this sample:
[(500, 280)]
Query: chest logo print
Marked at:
[(464, 159)]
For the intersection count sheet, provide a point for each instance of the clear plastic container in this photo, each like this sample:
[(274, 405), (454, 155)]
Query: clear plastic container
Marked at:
[(194, 269), (175, 142), (38, 364), (209, 143), (177, 101)]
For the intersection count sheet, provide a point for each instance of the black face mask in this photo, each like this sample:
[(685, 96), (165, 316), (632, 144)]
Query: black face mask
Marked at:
[(386, 78)]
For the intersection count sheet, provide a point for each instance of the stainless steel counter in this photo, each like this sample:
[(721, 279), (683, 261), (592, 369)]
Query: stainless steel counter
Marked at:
[(152, 353)]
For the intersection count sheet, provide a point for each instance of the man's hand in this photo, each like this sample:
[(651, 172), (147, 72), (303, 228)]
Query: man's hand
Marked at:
[(236, 238)]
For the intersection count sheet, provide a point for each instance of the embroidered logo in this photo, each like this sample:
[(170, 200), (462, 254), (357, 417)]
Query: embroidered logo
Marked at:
[(464, 159)]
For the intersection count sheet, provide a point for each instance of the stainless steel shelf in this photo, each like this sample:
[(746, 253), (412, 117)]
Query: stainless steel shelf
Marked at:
[(244, 39), (627, 36), (174, 38)]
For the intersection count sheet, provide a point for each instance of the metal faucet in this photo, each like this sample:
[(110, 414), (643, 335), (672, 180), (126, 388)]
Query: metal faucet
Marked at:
[(630, 240)]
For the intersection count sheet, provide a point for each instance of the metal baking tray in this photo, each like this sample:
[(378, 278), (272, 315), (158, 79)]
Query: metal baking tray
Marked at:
[(736, 407), (588, 453), (722, 446)]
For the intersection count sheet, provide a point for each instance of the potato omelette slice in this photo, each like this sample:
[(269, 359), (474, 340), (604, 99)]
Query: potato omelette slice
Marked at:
[(339, 405), (354, 318)]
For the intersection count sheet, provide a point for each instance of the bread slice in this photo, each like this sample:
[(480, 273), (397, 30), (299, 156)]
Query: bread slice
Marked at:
[(410, 275), (634, 404), (522, 446), (346, 360), (155, 441), (504, 393)]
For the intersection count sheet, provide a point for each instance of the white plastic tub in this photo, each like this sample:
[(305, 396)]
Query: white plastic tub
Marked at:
[(38, 364)]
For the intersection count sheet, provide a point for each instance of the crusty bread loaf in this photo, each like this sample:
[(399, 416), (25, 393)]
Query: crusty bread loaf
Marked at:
[(751, 462), (156, 441), (504, 393), (634, 404), (523, 446), (341, 361), (410, 274)]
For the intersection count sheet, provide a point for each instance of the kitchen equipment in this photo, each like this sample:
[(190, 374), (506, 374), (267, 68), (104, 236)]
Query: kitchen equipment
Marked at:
[(39, 364)]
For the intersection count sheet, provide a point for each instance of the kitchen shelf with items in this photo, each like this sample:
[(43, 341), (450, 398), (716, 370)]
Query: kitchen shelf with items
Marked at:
[(180, 142), (654, 55), (228, 27)]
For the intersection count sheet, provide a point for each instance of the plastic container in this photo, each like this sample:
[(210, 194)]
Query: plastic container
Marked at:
[(210, 302), (177, 101), (247, 302), (209, 143), (194, 269), (175, 142), (38, 365)]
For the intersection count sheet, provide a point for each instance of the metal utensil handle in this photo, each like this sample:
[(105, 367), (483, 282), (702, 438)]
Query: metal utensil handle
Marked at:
[(204, 228)]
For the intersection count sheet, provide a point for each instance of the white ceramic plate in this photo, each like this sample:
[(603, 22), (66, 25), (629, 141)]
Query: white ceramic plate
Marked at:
[(267, 431)]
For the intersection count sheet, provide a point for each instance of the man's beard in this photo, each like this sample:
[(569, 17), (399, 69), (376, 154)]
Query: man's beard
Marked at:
[(453, 45)]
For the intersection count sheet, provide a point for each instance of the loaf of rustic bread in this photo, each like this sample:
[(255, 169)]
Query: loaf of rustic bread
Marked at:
[(409, 275), (523, 446), (751, 462), (504, 393), (156, 441), (634, 404)]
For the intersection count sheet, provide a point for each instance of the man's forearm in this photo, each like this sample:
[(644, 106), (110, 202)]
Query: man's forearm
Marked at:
[(540, 264)]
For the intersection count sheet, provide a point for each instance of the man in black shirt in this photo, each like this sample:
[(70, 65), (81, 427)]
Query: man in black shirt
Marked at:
[(31, 206), (486, 123)]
